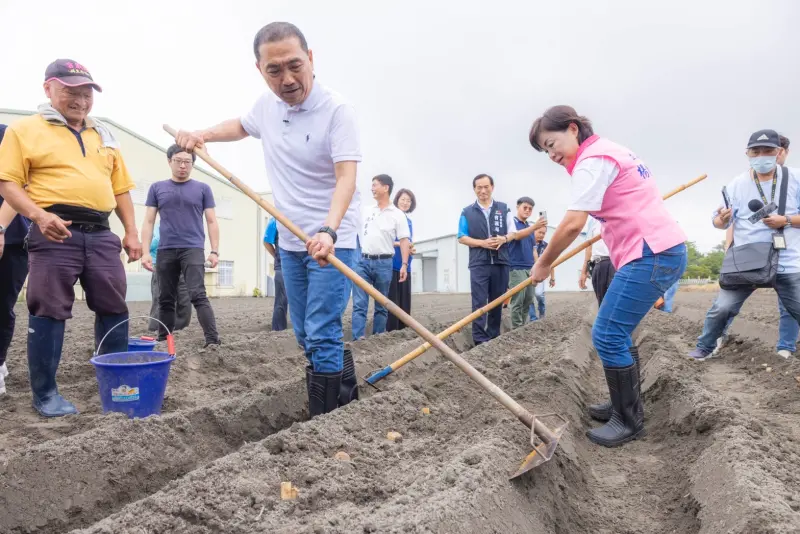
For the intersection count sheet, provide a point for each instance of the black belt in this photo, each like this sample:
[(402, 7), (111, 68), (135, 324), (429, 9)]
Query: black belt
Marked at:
[(601, 258), (377, 256), (88, 228)]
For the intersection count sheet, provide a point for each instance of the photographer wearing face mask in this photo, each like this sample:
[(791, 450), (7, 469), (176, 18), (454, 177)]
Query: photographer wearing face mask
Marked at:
[(777, 234), (788, 329)]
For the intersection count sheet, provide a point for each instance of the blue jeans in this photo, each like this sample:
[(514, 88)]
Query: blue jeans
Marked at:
[(633, 291), (377, 273), (669, 297), (317, 299), (728, 303), (538, 299), (788, 329)]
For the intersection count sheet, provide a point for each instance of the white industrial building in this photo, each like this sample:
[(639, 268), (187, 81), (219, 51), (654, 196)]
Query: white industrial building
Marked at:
[(244, 264), (441, 265)]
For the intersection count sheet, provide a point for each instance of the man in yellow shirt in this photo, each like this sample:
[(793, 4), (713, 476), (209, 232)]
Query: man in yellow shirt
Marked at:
[(63, 170)]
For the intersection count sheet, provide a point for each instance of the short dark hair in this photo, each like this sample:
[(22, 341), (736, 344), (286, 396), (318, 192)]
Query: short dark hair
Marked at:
[(176, 149), (784, 142), (475, 180), (408, 192), (526, 200), (385, 179), (278, 31), (558, 119)]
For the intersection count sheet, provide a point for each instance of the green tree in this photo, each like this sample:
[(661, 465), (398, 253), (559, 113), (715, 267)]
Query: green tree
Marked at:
[(704, 265)]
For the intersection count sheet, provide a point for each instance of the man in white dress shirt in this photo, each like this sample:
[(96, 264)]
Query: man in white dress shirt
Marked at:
[(384, 224)]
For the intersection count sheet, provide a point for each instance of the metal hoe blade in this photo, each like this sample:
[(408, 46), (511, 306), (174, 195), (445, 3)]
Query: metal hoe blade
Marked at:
[(542, 452)]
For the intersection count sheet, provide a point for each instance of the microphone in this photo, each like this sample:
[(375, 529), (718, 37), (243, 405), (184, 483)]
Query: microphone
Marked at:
[(762, 211)]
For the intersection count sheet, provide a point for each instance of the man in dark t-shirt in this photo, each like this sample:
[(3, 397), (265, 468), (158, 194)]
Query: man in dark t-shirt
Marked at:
[(181, 203)]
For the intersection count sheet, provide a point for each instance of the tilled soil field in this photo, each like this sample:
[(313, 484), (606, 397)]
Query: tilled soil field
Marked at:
[(721, 454)]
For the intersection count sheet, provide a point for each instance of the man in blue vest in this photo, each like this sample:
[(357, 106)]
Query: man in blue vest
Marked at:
[(520, 253), (486, 227)]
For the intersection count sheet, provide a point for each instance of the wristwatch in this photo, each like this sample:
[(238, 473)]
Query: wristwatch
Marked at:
[(215, 253), (788, 221), (328, 230), (2, 229)]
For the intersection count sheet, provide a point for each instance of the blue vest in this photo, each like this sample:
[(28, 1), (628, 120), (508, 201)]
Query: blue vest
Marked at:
[(477, 229), (520, 251)]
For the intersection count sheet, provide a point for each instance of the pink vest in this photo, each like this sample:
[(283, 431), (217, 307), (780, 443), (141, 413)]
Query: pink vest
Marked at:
[(633, 209)]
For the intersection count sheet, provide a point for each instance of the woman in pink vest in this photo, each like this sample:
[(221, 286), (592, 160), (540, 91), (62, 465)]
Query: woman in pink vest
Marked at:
[(646, 245)]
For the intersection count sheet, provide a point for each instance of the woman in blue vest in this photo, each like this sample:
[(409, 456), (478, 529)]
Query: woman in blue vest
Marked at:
[(400, 292)]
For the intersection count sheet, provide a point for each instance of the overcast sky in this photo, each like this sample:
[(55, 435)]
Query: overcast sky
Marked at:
[(446, 90)]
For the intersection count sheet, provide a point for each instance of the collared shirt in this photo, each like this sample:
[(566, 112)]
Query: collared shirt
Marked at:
[(463, 227), (381, 228), (540, 246), (271, 237), (742, 190), (301, 146), (593, 228), (62, 166)]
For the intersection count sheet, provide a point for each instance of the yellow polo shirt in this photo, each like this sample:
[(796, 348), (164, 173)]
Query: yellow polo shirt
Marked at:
[(50, 161)]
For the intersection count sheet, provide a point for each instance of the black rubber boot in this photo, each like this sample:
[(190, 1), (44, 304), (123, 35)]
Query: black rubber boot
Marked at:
[(627, 421), (45, 340), (602, 412), (349, 391), (116, 326), (323, 392)]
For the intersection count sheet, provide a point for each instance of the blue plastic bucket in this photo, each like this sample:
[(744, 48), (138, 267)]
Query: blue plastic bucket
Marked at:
[(136, 345), (132, 383)]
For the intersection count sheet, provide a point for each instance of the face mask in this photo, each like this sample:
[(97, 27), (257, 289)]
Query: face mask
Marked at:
[(763, 164)]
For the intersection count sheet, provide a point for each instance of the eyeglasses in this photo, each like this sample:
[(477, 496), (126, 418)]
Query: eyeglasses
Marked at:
[(182, 162)]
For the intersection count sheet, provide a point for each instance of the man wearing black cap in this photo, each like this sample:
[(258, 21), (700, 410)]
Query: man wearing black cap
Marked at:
[(762, 184), (64, 171), (13, 271)]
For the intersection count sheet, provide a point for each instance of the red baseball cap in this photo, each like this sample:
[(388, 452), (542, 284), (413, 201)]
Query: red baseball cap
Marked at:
[(70, 73)]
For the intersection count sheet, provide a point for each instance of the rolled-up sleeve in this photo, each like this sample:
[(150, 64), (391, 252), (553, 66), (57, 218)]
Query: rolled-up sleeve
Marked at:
[(345, 142)]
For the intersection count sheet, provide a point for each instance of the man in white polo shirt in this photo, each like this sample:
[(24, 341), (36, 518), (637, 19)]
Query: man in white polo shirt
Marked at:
[(310, 139), (384, 225)]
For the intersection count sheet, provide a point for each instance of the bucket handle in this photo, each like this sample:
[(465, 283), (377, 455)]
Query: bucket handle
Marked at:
[(170, 339)]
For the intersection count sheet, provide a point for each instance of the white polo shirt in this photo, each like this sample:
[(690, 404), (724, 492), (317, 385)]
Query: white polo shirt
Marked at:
[(593, 228), (382, 227), (301, 145)]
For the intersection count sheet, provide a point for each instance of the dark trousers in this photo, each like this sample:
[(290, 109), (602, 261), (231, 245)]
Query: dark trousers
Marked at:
[(13, 270), (93, 257), (602, 274), (400, 294), (170, 264), (487, 282), (281, 305), (183, 308)]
